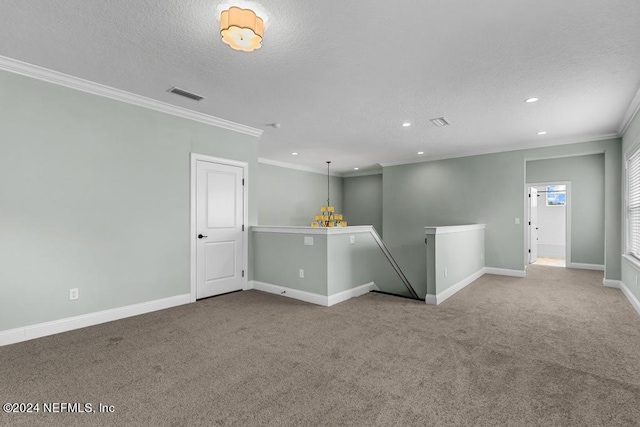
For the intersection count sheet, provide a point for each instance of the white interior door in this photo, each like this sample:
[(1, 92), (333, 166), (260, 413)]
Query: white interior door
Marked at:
[(219, 228), (533, 225)]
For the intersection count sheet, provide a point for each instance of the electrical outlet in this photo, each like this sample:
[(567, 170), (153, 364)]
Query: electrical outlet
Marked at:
[(301, 273), (308, 240), (517, 221), (352, 239), (73, 294), (446, 273)]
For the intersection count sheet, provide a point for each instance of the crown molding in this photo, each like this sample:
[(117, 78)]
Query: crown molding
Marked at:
[(356, 174), (286, 165), (519, 147), (61, 79), (632, 110)]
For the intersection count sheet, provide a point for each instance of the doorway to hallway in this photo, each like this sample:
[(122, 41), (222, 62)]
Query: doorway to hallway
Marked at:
[(549, 224)]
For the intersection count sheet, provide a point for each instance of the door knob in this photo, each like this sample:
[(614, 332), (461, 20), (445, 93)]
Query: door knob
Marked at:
[(200, 236)]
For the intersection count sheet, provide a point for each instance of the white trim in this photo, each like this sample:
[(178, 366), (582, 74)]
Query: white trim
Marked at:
[(312, 230), (505, 272), (632, 260), (351, 293), (630, 296), (356, 174), (453, 228), (633, 148), (619, 284), (60, 79), (291, 293), (631, 112), (26, 333), (194, 158), (609, 283), (567, 212), (294, 166), (583, 266), (520, 147), (248, 286), (450, 291), (313, 298), (565, 156)]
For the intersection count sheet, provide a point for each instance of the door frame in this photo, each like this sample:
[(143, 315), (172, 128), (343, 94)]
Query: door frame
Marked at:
[(567, 219), (195, 157)]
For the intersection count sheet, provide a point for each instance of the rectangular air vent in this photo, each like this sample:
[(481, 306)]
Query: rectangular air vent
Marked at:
[(440, 121), (186, 94)]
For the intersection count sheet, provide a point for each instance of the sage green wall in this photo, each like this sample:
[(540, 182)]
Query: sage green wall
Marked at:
[(363, 201), (586, 174), (293, 197), (331, 265), (352, 265), (460, 253), (486, 189), (629, 270), (94, 195), (279, 257)]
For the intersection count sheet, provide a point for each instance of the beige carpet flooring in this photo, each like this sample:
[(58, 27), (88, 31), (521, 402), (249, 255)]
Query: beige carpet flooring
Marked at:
[(554, 349)]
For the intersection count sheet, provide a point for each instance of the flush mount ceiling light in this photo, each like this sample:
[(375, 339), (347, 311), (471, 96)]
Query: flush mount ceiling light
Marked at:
[(406, 124), (294, 154), (355, 169), (544, 132), (530, 100), (421, 152), (241, 29)]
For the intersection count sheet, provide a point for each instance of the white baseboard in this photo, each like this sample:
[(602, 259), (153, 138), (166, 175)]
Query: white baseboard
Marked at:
[(248, 286), (582, 266), (630, 296), (619, 284), (505, 272), (351, 293), (291, 293), (26, 333), (450, 291), (323, 300)]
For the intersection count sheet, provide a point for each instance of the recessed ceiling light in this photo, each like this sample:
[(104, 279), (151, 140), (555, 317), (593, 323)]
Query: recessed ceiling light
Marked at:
[(355, 169), (530, 100), (406, 124), (294, 154), (420, 152), (544, 132)]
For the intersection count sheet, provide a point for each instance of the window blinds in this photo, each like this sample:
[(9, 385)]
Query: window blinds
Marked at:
[(633, 204)]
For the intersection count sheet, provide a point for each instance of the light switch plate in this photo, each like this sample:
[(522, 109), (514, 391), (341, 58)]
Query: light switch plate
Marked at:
[(308, 240)]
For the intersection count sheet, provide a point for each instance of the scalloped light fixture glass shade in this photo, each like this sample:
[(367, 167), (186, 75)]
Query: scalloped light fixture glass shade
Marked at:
[(241, 29)]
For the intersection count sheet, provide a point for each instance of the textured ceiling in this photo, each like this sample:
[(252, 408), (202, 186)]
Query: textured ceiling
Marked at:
[(341, 77)]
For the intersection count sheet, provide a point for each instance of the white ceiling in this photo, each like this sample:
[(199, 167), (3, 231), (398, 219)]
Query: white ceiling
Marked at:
[(341, 77)]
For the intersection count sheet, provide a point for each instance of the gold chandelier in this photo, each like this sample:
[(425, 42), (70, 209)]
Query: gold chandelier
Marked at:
[(328, 217), (241, 29)]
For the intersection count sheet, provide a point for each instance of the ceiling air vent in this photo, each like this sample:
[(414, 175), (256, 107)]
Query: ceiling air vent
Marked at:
[(440, 121), (186, 94)]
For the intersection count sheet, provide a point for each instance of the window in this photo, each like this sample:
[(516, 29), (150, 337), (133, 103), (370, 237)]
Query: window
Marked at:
[(556, 195), (632, 212)]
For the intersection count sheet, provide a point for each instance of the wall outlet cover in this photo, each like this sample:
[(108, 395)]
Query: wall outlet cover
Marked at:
[(308, 240), (352, 239), (74, 294), (301, 273)]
